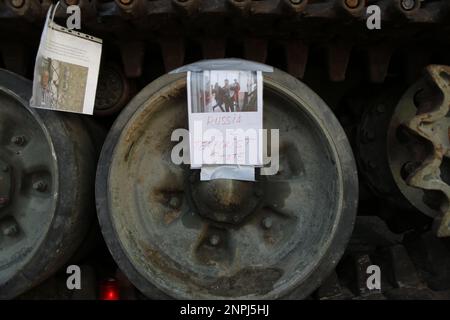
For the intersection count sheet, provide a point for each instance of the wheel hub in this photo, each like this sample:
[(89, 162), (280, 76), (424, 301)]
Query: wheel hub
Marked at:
[(228, 201)]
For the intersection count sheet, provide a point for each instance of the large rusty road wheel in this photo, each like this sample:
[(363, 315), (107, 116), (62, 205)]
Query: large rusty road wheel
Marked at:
[(177, 237), (47, 164)]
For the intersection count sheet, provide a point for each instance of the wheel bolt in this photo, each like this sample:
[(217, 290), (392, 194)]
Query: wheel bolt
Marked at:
[(214, 240), (408, 4), (17, 3), (267, 223), (175, 202), (352, 4), (18, 140), (296, 1), (5, 169), (10, 229), (126, 2), (40, 186)]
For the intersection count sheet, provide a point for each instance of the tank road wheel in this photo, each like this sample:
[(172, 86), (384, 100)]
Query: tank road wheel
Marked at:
[(177, 237), (47, 166)]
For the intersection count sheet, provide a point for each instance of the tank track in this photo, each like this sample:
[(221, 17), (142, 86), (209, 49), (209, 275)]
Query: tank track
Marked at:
[(190, 30)]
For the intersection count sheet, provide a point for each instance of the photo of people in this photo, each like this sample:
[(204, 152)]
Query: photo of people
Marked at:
[(224, 91), (61, 86)]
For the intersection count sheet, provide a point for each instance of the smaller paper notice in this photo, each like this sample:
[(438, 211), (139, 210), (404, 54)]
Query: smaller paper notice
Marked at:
[(66, 70), (225, 123), (244, 173)]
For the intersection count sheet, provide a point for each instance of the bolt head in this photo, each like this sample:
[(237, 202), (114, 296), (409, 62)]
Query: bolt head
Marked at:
[(267, 223), (5, 169), (214, 240), (296, 2), (408, 4), (175, 202), (40, 186), (17, 3), (18, 140), (352, 4)]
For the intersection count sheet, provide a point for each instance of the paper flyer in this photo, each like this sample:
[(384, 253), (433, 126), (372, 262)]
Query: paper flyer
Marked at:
[(66, 70), (225, 118)]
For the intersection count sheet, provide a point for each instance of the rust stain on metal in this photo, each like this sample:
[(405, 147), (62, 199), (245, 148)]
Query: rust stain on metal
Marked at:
[(136, 130), (247, 281), (268, 237), (174, 90), (171, 216), (162, 264)]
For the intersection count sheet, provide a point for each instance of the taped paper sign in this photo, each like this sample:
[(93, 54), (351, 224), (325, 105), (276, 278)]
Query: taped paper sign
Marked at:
[(66, 70), (225, 120), (245, 173)]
